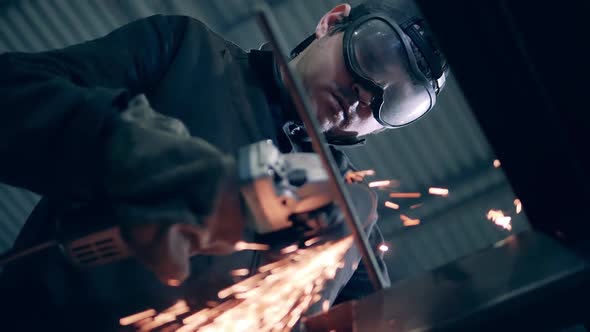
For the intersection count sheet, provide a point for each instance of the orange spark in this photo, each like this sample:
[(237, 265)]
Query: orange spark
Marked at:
[(383, 247), (289, 249), (518, 205), (241, 245), (136, 317), (192, 327), (497, 163), (158, 321), (504, 222), (367, 172), (392, 205), (198, 316), (383, 183), (171, 328), (212, 304), (179, 308), (438, 191), (240, 272), (498, 217), (493, 214), (415, 206), (143, 322), (405, 195), (272, 266), (409, 221), (312, 241), (274, 299), (173, 282), (358, 176)]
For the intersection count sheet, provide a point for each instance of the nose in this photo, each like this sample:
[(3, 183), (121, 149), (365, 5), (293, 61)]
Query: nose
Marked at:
[(364, 96)]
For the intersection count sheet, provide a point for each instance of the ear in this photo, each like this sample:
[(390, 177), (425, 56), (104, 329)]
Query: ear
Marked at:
[(330, 18)]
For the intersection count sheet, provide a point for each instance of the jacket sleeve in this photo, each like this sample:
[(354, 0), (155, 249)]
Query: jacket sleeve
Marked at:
[(56, 105)]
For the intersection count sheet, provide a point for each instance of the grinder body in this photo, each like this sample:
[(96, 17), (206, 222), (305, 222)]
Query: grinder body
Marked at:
[(288, 198)]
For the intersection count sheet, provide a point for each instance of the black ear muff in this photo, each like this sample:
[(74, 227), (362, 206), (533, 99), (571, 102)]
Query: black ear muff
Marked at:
[(434, 61)]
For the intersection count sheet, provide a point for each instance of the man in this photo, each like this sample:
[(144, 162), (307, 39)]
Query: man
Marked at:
[(168, 176)]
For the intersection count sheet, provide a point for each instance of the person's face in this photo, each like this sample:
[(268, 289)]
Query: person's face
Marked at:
[(341, 104)]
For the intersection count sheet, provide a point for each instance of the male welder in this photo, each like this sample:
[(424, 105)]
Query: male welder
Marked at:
[(166, 172)]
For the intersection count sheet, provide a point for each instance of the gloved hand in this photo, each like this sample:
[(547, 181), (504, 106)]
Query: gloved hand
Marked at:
[(174, 195)]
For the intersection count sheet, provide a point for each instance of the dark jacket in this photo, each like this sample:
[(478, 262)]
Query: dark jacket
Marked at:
[(55, 107)]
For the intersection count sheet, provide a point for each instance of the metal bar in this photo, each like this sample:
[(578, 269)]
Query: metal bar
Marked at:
[(525, 283), (270, 29)]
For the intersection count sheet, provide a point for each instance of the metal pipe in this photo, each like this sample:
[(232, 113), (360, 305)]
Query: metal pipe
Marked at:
[(270, 29)]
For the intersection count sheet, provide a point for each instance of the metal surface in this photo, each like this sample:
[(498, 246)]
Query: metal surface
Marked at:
[(304, 109), (527, 282)]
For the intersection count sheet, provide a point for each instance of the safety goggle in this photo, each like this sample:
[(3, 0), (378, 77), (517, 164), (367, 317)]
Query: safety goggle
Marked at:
[(379, 56)]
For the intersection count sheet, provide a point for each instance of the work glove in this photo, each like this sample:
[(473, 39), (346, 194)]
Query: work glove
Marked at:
[(174, 195)]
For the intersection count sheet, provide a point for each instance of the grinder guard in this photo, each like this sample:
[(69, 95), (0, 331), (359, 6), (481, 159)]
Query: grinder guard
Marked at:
[(277, 186)]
